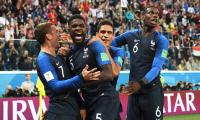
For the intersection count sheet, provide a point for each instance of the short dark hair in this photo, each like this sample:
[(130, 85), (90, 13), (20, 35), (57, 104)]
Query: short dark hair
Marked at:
[(105, 22), (41, 31), (149, 7), (75, 16)]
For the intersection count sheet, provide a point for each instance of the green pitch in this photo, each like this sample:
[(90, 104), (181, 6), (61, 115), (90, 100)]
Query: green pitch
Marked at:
[(183, 117)]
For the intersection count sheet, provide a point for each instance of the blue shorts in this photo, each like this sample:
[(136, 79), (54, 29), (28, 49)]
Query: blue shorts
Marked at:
[(56, 116), (106, 107), (148, 106)]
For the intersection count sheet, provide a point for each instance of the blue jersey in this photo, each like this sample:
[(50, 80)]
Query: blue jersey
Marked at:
[(55, 75), (147, 54), (95, 56), (118, 56)]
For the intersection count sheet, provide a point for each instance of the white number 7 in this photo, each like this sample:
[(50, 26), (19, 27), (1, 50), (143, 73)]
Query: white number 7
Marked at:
[(62, 71)]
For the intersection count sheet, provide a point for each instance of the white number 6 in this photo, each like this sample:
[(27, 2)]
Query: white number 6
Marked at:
[(135, 48), (158, 112)]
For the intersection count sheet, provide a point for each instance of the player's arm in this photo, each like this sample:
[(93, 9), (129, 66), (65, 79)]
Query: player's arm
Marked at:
[(115, 67), (119, 40), (114, 61), (103, 60), (48, 73), (159, 59), (123, 38), (117, 60)]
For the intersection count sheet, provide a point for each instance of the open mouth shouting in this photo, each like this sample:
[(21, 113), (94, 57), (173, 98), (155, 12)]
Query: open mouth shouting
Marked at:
[(78, 38)]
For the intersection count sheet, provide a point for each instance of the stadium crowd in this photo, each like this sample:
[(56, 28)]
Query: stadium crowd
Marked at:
[(180, 86), (19, 92), (179, 21), (27, 89)]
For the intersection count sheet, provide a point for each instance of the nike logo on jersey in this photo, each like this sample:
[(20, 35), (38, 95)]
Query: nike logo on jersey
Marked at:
[(136, 40)]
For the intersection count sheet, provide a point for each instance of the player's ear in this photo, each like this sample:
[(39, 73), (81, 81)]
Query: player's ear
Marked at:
[(97, 34), (48, 36)]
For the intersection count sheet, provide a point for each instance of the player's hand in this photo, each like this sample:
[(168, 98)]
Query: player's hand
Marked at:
[(94, 38), (133, 86), (63, 51), (92, 74), (65, 38), (83, 114)]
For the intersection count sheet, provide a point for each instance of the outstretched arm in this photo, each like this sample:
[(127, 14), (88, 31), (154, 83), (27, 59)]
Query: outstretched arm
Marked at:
[(48, 73)]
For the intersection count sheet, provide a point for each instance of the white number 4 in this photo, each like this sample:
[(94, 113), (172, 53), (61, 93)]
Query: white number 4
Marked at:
[(98, 116)]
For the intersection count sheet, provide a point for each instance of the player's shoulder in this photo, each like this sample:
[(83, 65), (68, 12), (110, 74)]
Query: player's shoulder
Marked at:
[(43, 58), (133, 31), (116, 48), (161, 39), (97, 42), (161, 36), (41, 55), (96, 45)]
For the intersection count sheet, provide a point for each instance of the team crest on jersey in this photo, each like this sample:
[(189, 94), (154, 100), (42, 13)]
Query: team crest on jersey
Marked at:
[(85, 53), (152, 45), (48, 76)]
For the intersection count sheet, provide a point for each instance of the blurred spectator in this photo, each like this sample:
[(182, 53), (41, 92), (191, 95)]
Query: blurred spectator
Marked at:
[(196, 64), (182, 65), (172, 65), (25, 62), (52, 16), (27, 85), (187, 86), (9, 92), (35, 92), (122, 88), (190, 65), (179, 21), (173, 52), (19, 92), (1, 62), (179, 86), (11, 56), (166, 88)]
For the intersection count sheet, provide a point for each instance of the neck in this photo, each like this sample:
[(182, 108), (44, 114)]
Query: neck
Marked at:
[(147, 30), (48, 50)]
